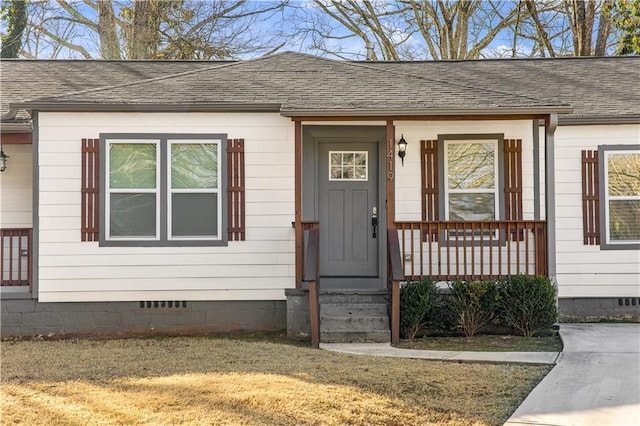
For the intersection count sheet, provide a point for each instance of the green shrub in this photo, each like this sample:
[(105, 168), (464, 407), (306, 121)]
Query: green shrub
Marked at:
[(418, 300), (473, 304), (528, 304)]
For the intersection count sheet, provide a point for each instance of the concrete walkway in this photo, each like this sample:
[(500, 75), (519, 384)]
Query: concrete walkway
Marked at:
[(385, 349), (596, 380)]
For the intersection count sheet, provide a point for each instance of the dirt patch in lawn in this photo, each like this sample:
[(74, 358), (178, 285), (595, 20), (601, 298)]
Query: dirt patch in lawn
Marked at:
[(197, 380)]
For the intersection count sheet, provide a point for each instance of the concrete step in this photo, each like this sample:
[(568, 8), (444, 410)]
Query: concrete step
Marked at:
[(354, 315), (354, 323), (357, 296), (379, 336), (353, 309)]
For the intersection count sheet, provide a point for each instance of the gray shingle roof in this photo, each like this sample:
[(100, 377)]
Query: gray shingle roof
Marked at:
[(298, 83)]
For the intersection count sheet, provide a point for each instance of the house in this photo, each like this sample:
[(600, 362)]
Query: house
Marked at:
[(181, 197)]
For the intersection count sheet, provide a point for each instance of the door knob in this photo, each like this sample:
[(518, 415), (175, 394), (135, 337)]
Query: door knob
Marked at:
[(374, 220)]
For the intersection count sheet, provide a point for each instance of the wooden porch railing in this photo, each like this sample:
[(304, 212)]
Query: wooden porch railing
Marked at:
[(445, 250), (310, 276), (15, 257)]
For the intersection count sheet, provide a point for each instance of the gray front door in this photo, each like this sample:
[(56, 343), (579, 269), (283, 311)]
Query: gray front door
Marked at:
[(347, 199)]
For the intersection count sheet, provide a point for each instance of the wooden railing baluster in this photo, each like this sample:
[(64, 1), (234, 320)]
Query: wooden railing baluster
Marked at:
[(15, 257), (451, 247)]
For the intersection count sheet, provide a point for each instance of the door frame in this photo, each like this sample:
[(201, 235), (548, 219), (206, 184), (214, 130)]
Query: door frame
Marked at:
[(310, 185)]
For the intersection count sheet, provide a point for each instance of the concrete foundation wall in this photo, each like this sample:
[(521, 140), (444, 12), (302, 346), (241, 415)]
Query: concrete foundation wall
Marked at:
[(588, 309), (23, 317)]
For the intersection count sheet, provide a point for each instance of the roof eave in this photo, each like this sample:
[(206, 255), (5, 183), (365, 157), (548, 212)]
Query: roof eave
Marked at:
[(579, 121), (534, 111), (132, 107)]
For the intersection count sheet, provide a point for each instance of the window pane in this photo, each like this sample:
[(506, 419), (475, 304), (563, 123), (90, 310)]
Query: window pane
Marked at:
[(132, 215), (471, 165), (132, 165), (624, 174), (347, 158), (624, 220), (336, 172), (194, 165), (471, 207), (194, 215)]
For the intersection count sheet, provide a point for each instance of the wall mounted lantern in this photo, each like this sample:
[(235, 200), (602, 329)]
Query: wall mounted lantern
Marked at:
[(402, 148), (3, 160)]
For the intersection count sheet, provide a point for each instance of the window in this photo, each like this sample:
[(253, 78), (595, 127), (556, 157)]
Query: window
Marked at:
[(162, 190), (620, 196), (471, 177), (348, 165)]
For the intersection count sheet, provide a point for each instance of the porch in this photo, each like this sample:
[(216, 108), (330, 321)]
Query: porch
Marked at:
[(442, 251), (446, 244)]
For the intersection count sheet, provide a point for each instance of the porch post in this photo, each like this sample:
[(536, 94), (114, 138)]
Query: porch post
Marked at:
[(391, 199), (298, 202), (536, 169), (551, 123)]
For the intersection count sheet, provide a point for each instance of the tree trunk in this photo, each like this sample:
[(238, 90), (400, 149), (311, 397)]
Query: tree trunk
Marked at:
[(109, 45), (604, 30), (17, 22)]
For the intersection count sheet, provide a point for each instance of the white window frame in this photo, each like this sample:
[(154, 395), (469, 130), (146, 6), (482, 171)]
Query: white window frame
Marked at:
[(605, 153), (171, 191), (110, 190), (496, 181)]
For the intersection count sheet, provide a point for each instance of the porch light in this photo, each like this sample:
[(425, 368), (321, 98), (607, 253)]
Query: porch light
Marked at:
[(402, 148), (3, 160)]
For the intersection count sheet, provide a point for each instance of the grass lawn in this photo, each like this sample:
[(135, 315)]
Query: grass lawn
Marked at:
[(199, 380)]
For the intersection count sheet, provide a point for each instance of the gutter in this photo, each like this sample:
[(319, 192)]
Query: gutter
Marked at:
[(286, 112), (425, 112), (580, 121), (84, 107), (9, 114), (16, 127)]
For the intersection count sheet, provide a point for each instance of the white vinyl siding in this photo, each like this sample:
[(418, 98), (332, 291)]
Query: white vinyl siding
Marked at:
[(587, 270), (260, 268)]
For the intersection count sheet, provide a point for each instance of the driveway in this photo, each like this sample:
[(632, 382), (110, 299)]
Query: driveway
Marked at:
[(595, 382)]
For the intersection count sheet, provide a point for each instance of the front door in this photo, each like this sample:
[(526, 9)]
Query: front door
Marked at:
[(348, 207)]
